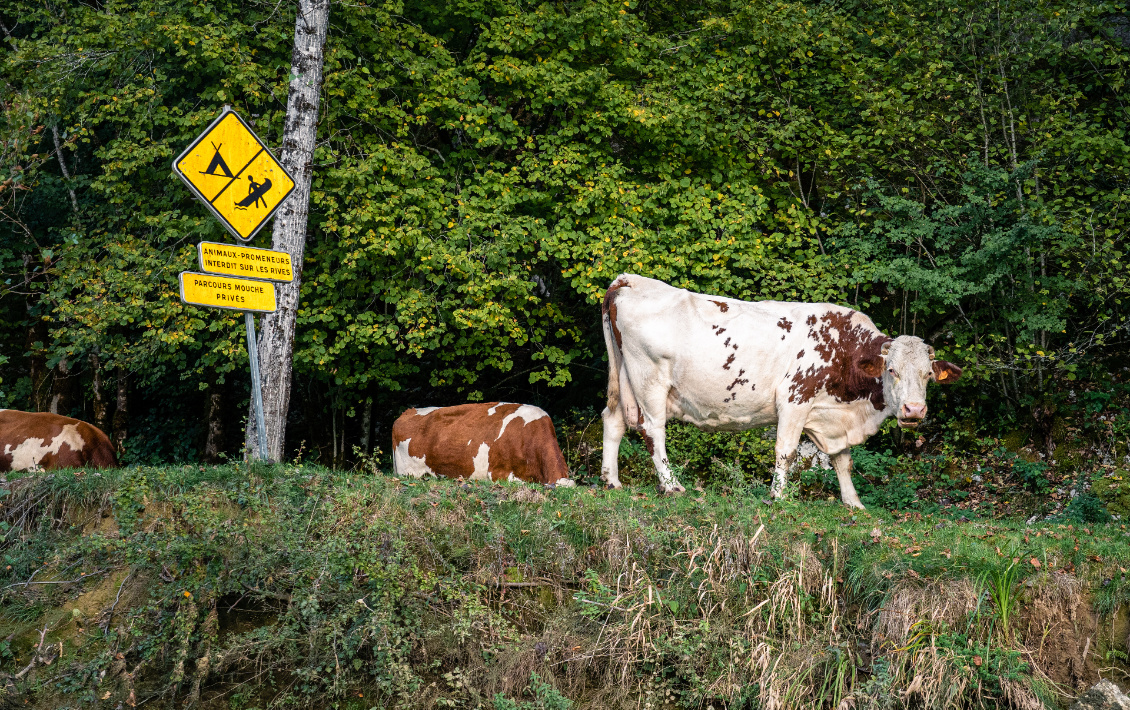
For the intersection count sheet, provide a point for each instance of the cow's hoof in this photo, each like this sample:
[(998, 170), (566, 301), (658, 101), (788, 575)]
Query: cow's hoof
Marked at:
[(671, 490), (617, 484)]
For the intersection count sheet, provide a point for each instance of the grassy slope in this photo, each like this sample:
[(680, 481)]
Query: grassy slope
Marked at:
[(295, 585)]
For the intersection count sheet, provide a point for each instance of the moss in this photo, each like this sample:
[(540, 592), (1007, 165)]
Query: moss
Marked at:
[(1114, 491), (1014, 440), (1059, 431)]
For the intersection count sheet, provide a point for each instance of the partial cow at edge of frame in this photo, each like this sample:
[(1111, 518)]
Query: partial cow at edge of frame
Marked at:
[(31, 441), (492, 441), (813, 369)]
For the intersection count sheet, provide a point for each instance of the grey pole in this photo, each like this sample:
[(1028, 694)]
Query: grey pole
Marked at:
[(256, 391)]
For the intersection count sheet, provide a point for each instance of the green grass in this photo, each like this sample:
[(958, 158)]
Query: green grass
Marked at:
[(297, 586)]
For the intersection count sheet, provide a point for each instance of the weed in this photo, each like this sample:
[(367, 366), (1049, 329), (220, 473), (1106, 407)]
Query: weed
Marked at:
[(543, 696), (1001, 586)]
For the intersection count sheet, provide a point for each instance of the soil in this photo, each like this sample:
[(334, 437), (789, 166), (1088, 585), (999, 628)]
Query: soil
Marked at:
[(1057, 623)]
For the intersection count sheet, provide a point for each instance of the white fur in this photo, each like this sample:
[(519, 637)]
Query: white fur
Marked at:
[(482, 463), (527, 412), (405, 464)]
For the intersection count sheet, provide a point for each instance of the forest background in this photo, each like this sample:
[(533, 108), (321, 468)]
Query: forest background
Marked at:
[(959, 171)]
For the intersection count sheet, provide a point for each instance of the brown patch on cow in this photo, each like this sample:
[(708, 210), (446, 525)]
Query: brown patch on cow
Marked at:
[(48, 437), (728, 361), (800, 355), (449, 438), (845, 352), (738, 382), (718, 330), (725, 344), (785, 324), (608, 307), (722, 306), (648, 441)]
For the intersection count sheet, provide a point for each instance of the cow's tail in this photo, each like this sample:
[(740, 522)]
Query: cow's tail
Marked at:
[(608, 314), (619, 388)]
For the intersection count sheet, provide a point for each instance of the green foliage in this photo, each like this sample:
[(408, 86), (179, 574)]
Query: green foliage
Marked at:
[(484, 169), (543, 697), (884, 480), (1087, 508)]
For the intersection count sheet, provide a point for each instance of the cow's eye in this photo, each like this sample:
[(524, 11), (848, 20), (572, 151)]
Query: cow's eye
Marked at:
[(892, 371)]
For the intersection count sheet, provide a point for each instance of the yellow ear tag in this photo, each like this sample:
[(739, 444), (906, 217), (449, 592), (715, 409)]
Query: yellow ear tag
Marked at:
[(944, 374)]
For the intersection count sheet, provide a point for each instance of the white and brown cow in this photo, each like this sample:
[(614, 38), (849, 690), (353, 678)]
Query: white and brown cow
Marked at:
[(495, 441), (30, 441), (728, 365)]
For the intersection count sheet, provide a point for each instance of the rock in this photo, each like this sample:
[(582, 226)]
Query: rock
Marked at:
[(808, 456), (1103, 695)]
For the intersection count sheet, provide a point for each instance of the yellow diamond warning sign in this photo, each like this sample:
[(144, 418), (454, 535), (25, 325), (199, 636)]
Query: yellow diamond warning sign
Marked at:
[(245, 261), (232, 171), (226, 292)]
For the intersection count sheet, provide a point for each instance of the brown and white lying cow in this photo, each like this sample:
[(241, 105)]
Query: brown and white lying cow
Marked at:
[(729, 365), (39, 440), (495, 441)]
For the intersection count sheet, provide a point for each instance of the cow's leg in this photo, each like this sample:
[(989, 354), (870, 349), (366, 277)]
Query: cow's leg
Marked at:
[(842, 463), (654, 431), (614, 429), (788, 439)]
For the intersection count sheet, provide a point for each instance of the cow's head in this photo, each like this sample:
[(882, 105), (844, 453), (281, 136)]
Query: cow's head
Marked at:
[(906, 364)]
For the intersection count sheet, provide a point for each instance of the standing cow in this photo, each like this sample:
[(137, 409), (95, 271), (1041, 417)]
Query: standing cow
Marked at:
[(504, 442), (729, 365), (40, 440)]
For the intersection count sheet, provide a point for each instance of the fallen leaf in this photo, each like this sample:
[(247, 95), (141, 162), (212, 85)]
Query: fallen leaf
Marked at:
[(1035, 563), (977, 661)]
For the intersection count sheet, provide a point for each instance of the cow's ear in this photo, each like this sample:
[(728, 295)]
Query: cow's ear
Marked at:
[(885, 349), (946, 372), (872, 366)]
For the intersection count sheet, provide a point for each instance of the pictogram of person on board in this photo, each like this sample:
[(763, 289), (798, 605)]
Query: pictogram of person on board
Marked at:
[(255, 192)]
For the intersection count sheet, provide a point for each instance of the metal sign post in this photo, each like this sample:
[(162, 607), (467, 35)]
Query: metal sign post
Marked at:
[(256, 391), (215, 172)]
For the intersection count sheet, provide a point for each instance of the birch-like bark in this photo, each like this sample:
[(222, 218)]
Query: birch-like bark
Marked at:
[(276, 334)]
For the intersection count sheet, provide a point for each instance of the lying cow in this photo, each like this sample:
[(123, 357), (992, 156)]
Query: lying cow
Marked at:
[(729, 365), (504, 442), (39, 440)]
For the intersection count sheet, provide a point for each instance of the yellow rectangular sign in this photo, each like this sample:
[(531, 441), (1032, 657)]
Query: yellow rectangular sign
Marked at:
[(232, 172), (245, 261), (226, 292)]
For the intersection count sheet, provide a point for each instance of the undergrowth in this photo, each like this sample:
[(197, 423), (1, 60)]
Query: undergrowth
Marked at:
[(293, 586)]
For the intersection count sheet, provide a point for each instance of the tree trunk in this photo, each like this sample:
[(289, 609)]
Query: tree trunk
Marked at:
[(101, 405), (62, 390), (121, 412), (366, 425), (214, 444), (276, 339), (37, 370)]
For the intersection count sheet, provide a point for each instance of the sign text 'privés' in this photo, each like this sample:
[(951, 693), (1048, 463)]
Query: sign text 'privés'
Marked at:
[(232, 172), (225, 292), (245, 261)]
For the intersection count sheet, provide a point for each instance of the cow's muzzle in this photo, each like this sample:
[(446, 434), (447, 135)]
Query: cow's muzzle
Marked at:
[(911, 415)]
